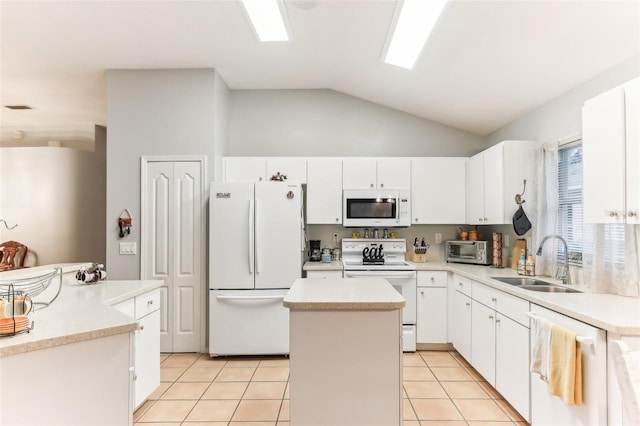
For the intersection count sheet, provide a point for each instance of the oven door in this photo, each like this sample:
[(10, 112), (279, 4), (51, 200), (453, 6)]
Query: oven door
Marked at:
[(403, 281)]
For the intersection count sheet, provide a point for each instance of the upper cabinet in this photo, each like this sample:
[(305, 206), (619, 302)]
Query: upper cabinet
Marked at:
[(245, 169), (494, 177), (380, 173), (438, 188), (324, 191), (260, 169), (611, 154)]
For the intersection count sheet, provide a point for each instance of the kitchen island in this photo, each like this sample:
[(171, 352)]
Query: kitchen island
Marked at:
[(345, 352), (76, 365)]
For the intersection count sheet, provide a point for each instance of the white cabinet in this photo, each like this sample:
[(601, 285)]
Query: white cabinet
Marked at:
[(245, 169), (438, 190), (324, 191), (324, 274), (459, 318), (294, 168), (431, 326), (500, 343), (146, 346), (611, 154), (368, 173), (494, 177)]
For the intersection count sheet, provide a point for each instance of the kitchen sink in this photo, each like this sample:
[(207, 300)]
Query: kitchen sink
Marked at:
[(535, 284)]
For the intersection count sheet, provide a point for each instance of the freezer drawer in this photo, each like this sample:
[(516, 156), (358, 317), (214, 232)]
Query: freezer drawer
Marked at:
[(248, 322)]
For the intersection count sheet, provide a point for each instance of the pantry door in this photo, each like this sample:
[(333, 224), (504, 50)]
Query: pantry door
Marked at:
[(172, 247)]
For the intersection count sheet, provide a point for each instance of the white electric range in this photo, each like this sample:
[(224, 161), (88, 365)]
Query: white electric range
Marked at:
[(384, 258)]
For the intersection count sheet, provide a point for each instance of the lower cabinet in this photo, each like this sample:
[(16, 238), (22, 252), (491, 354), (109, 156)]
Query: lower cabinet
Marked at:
[(500, 344), (146, 343), (460, 323), (431, 316)]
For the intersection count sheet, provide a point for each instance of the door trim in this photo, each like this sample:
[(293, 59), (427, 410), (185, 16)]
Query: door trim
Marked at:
[(204, 242)]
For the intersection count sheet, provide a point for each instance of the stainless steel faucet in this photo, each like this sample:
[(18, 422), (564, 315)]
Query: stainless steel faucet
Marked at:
[(565, 276)]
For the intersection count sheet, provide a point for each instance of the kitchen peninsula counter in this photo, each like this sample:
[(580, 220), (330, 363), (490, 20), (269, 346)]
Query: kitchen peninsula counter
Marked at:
[(81, 312), (333, 322)]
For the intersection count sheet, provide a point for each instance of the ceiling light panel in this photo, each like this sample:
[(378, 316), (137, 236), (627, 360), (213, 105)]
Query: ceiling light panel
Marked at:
[(268, 19), (413, 26)]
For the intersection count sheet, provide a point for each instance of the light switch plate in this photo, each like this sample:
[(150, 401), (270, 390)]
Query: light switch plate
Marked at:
[(128, 248), (438, 238)]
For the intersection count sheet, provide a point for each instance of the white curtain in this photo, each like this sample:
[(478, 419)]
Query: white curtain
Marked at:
[(544, 221), (605, 272)]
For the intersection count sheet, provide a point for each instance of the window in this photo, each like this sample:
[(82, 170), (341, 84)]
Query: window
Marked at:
[(570, 224), (570, 201)]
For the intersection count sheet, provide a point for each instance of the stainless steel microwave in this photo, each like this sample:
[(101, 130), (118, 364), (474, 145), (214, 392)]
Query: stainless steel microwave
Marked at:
[(364, 208), (476, 252)]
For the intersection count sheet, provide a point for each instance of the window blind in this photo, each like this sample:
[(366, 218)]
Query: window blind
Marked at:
[(570, 210)]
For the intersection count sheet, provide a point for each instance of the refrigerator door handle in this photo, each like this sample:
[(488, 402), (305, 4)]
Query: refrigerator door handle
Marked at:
[(257, 232), (251, 251)]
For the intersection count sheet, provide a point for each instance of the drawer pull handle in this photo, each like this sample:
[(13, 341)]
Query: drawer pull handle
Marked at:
[(490, 317), (150, 302), (141, 327), (493, 299), (468, 304)]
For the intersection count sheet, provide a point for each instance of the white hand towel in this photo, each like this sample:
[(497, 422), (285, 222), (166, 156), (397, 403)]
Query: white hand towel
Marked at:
[(540, 347)]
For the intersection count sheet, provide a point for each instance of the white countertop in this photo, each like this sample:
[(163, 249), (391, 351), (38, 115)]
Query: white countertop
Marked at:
[(343, 294), (616, 314), (334, 265), (81, 312)]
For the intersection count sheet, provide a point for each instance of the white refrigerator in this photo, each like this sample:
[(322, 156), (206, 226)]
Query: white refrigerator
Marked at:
[(255, 255)]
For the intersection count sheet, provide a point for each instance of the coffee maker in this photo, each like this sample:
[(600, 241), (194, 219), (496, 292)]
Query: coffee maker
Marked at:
[(315, 252)]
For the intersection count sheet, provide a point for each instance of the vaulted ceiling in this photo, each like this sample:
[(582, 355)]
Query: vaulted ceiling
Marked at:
[(486, 63)]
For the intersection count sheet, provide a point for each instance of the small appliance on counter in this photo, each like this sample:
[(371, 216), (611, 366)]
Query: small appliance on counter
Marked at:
[(315, 252), (92, 274), (475, 252)]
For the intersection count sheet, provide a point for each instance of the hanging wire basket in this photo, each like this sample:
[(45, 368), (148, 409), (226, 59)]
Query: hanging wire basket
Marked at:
[(32, 286)]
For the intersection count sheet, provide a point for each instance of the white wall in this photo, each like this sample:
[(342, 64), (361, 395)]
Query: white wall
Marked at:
[(153, 113), (562, 117), (57, 198), (315, 123)]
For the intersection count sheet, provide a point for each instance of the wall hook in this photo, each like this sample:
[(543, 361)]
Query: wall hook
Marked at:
[(518, 197), (7, 226), (125, 223)]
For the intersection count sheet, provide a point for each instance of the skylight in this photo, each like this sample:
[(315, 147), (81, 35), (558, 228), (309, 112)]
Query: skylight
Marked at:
[(413, 26), (267, 19)]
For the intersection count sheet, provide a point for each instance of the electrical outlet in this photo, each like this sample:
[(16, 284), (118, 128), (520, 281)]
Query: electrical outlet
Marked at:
[(438, 238), (335, 237), (505, 241)]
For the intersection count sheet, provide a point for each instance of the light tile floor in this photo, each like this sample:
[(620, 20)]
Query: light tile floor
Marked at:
[(440, 388)]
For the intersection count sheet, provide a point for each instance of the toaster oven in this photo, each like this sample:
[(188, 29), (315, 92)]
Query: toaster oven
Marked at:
[(475, 252)]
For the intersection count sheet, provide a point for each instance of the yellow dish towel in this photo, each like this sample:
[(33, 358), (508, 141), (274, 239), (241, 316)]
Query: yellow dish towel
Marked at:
[(565, 366)]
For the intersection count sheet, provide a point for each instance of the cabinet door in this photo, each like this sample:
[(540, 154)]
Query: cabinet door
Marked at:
[(147, 357), (432, 315), (483, 341), (461, 326), (512, 363), (324, 191), (295, 169), (393, 173), (603, 158), (632, 121), (435, 203), (493, 185), (245, 169), (359, 173), (475, 190)]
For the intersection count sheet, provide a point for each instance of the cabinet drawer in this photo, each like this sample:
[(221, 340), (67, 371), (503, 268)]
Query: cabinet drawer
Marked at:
[(324, 274), (508, 305), (147, 303), (432, 278), (463, 285)]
